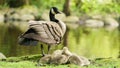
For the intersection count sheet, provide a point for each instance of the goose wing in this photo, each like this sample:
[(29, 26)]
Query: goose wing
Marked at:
[(46, 32)]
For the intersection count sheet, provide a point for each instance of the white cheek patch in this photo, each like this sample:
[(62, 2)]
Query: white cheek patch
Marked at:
[(53, 12)]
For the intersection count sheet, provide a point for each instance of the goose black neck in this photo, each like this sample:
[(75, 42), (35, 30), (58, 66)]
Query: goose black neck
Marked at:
[(52, 17)]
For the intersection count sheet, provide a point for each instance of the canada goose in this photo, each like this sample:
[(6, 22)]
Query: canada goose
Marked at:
[(51, 59), (66, 52), (48, 32), (78, 60), (57, 52), (57, 57), (85, 61), (75, 59), (60, 56), (45, 60)]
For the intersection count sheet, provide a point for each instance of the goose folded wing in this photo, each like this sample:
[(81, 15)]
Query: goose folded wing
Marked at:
[(44, 32), (55, 27)]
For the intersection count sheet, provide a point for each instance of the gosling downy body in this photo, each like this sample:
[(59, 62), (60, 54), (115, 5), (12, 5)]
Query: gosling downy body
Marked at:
[(75, 59), (57, 52), (61, 56), (45, 60), (47, 32), (78, 60), (55, 58), (59, 59)]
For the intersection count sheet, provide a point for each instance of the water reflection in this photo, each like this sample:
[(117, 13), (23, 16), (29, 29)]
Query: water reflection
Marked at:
[(92, 44), (8, 41)]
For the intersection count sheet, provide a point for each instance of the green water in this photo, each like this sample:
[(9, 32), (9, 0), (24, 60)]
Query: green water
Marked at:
[(95, 43), (89, 43)]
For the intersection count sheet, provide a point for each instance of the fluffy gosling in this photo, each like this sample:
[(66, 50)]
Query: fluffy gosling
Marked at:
[(78, 60)]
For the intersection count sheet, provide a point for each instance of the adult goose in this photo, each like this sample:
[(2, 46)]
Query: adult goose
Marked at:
[(47, 32)]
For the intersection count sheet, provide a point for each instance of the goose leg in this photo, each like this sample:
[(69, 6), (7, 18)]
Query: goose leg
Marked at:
[(42, 50), (49, 47)]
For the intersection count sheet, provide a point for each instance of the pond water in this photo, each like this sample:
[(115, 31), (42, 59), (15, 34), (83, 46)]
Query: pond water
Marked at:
[(90, 43)]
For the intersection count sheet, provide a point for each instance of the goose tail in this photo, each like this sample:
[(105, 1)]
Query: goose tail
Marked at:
[(27, 41)]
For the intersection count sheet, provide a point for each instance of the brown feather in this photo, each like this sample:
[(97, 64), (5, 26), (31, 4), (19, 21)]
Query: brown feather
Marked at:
[(46, 32)]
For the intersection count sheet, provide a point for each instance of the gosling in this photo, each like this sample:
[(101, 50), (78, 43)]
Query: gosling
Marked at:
[(45, 60), (75, 59), (78, 60), (57, 57)]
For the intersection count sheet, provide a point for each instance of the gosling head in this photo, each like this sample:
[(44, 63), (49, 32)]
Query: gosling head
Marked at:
[(66, 51), (65, 48), (54, 10)]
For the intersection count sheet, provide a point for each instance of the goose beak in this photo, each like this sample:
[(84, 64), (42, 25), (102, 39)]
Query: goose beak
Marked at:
[(58, 12)]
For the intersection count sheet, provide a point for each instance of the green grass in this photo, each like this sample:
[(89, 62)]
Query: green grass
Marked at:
[(98, 63), (22, 64)]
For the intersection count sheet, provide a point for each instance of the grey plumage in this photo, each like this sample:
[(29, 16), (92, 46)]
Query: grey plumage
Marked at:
[(46, 32), (49, 32)]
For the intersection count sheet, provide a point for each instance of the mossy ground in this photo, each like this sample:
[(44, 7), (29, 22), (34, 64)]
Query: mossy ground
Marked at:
[(32, 61)]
